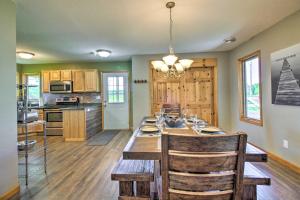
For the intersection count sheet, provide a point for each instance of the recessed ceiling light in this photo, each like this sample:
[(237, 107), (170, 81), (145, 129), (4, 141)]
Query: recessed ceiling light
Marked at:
[(103, 53), (230, 40), (25, 55)]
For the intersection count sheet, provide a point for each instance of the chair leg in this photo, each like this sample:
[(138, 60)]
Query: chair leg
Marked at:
[(250, 192), (125, 188), (143, 189)]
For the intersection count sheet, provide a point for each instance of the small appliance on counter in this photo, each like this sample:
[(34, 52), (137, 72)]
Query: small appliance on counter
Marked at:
[(54, 114), (32, 115), (61, 87), (73, 101)]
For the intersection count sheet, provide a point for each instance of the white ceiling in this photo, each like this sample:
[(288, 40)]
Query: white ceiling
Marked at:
[(68, 30)]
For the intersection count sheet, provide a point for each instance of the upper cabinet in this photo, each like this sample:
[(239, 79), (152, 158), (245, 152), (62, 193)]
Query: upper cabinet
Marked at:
[(78, 80), (91, 80), (46, 81), (66, 75), (83, 80), (55, 75)]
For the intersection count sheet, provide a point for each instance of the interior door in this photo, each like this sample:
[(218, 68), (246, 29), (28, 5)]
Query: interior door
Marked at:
[(115, 100)]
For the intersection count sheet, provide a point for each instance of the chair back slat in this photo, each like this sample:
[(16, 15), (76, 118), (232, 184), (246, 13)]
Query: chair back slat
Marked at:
[(202, 163), (214, 143), (172, 108), (184, 195), (203, 167), (201, 182)]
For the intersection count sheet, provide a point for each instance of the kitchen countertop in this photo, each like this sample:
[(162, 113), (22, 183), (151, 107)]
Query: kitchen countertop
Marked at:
[(81, 106)]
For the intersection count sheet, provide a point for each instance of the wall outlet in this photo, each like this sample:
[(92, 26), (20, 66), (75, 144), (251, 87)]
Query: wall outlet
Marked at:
[(285, 144)]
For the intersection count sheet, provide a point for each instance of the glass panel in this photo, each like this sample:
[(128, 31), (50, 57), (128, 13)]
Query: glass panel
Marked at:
[(116, 89), (251, 88), (33, 81), (54, 117)]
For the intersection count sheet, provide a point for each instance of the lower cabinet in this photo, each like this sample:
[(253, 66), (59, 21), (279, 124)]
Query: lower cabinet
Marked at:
[(81, 124), (74, 125)]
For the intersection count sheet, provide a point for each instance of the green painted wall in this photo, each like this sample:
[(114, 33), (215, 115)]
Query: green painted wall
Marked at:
[(101, 66)]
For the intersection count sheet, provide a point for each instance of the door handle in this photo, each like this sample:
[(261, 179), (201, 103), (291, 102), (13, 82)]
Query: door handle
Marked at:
[(104, 104)]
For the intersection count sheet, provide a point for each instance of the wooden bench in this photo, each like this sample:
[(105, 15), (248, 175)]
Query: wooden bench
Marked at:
[(252, 178), (135, 177)]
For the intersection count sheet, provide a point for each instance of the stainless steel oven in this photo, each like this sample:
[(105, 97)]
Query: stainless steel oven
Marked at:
[(61, 87), (54, 121)]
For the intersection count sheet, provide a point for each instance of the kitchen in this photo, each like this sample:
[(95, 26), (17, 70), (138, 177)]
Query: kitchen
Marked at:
[(69, 99)]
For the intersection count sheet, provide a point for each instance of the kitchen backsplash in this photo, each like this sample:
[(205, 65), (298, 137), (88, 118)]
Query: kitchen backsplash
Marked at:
[(84, 97)]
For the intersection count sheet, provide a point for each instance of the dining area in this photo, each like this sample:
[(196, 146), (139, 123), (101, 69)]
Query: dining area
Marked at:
[(177, 155)]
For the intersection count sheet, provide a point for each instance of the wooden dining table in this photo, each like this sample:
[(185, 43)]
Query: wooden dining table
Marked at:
[(141, 147)]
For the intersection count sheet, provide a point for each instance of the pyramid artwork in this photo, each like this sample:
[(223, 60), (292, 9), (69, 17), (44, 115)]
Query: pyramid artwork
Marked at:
[(288, 91)]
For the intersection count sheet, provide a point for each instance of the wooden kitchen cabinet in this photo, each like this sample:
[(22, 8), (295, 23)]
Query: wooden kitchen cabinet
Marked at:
[(46, 81), (55, 75), (91, 80), (74, 125), (78, 80), (66, 75)]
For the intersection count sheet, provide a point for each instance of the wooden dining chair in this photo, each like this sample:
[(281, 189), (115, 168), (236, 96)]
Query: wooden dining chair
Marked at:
[(203, 167), (172, 109)]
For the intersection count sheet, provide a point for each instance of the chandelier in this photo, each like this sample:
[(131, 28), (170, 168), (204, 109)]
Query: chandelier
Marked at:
[(170, 65)]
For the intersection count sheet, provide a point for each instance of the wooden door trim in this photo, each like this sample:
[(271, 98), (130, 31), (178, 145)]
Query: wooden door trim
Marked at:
[(198, 62), (129, 94)]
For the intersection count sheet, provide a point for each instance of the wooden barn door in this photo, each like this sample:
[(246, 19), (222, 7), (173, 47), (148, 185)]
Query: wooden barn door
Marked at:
[(199, 93), (164, 91), (194, 91)]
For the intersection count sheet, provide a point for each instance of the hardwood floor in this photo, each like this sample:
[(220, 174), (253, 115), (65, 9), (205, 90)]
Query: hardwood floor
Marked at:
[(77, 171)]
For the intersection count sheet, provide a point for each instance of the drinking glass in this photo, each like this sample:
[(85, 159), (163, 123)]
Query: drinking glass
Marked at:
[(157, 115)]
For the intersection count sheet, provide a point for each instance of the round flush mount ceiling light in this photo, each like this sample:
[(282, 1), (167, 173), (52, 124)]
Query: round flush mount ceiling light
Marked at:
[(230, 40), (25, 55), (103, 53)]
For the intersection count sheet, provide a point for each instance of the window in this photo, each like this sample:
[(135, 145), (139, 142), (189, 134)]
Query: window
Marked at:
[(250, 89), (33, 82), (116, 93)]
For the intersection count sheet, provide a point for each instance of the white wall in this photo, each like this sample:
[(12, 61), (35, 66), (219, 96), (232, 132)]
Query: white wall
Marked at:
[(141, 92), (280, 122), (8, 129)]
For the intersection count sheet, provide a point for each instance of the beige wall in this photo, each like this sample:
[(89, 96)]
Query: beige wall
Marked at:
[(8, 115), (280, 122), (141, 92)]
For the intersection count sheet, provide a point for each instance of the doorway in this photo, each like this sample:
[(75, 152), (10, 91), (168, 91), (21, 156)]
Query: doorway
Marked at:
[(115, 100)]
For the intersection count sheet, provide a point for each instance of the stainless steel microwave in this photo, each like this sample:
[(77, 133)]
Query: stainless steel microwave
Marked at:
[(61, 87)]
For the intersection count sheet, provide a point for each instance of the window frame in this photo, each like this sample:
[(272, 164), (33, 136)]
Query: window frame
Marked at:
[(241, 89), (24, 81)]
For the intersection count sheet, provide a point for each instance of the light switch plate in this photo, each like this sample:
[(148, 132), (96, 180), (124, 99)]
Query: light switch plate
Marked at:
[(285, 144)]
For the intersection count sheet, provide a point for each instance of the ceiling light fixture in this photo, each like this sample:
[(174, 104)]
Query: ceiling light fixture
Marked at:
[(230, 40), (25, 55), (170, 65), (103, 53)]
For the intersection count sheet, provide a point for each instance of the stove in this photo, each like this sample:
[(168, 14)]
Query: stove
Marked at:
[(54, 114)]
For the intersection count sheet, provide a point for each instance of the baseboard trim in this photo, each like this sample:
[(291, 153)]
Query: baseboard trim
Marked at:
[(12, 192), (280, 160), (284, 162)]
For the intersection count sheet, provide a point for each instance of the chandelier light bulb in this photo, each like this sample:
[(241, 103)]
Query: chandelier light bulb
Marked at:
[(179, 67), (157, 64), (170, 59), (165, 68), (186, 63)]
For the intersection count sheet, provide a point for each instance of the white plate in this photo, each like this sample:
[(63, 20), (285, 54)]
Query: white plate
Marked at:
[(149, 129), (151, 120), (211, 129)]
